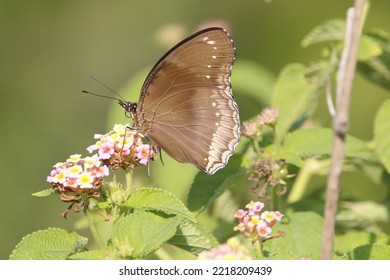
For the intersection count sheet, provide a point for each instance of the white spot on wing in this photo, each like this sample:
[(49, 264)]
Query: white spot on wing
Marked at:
[(211, 42)]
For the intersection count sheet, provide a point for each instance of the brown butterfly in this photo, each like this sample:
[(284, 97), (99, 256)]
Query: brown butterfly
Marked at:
[(187, 106)]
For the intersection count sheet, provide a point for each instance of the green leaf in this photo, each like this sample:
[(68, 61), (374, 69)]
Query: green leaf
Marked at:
[(140, 233), (159, 200), (317, 143), (44, 193), (94, 255), (193, 238), (331, 30), (368, 215), (350, 240), (291, 158), (49, 244), (382, 134), (370, 252), (205, 188), (291, 96), (303, 232), (377, 69), (368, 48)]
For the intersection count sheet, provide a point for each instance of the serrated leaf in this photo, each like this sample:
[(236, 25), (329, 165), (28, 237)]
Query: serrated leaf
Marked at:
[(159, 200), (193, 238), (317, 142), (94, 255), (140, 233), (44, 193), (298, 227), (331, 30), (291, 96), (377, 69), (49, 244), (382, 134), (370, 252), (205, 188)]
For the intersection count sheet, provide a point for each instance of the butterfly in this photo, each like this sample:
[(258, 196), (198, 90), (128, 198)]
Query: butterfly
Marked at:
[(186, 105)]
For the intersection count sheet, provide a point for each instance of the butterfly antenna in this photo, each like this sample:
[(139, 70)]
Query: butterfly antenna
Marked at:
[(100, 95), (107, 87)]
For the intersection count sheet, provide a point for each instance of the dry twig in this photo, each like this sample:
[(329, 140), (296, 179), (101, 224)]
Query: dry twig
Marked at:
[(345, 78)]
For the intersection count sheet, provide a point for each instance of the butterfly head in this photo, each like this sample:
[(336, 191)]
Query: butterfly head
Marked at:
[(130, 108)]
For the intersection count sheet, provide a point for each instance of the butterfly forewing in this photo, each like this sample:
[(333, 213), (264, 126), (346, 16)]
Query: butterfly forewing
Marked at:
[(186, 105)]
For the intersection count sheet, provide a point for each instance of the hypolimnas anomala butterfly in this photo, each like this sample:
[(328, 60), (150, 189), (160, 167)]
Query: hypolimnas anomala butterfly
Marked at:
[(186, 105)]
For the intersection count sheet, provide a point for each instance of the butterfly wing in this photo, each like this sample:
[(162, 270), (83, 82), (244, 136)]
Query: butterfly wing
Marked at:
[(186, 105)]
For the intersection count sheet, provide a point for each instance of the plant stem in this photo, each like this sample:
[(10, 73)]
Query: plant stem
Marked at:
[(94, 232), (340, 122), (259, 249), (256, 146), (114, 213), (301, 184), (129, 177), (162, 254)]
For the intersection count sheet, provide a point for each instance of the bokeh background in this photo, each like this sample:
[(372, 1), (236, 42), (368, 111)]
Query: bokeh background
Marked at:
[(48, 50)]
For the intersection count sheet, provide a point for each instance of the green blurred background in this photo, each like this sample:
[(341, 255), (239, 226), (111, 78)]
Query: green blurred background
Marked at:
[(50, 48)]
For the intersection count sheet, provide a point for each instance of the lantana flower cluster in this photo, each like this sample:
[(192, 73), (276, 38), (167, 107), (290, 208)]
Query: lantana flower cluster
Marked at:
[(253, 128), (123, 147), (79, 179), (254, 223), (231, 250), (78, 174)]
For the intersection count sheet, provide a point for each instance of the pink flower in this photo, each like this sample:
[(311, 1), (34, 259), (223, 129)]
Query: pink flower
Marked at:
[(258, 206), (251, 128), (106, 150), (240, 214), (268, 116), (92, 148), (255, 207), (143, 153), (278, 216), (102, 172), (263, 229)]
